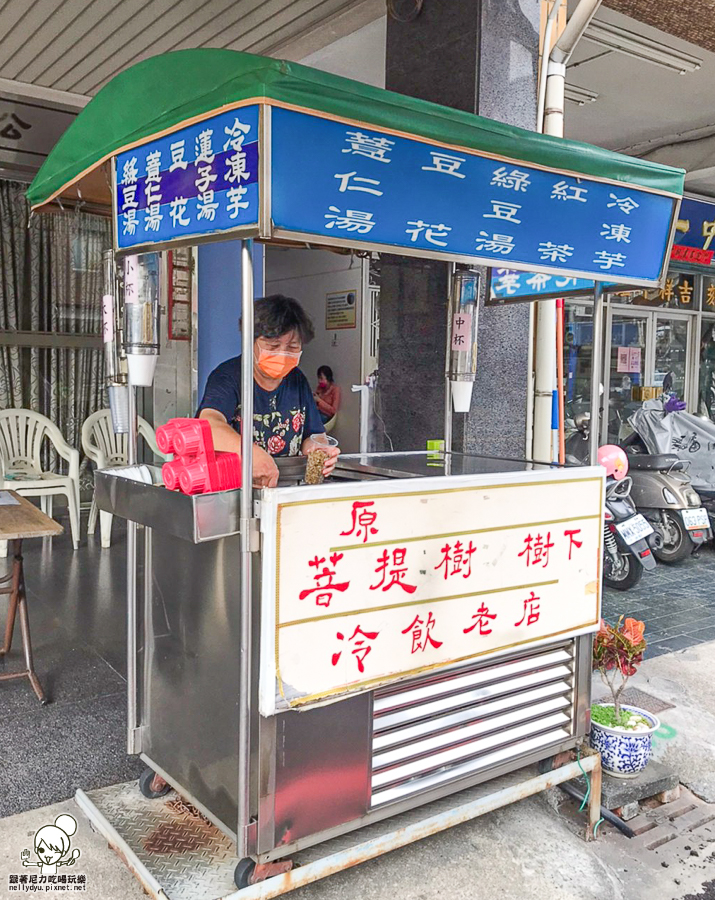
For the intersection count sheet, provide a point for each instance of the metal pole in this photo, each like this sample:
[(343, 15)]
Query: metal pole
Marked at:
[(132, 722), (596, 375), (246, 598), (448, 431)]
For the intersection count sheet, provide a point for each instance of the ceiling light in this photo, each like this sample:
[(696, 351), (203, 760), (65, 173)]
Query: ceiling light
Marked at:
[(579, 95), (639, 47)]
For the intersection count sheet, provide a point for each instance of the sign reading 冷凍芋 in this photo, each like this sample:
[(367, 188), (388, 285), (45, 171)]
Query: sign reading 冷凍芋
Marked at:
[(358, 186), (196, 181), (383, 583)]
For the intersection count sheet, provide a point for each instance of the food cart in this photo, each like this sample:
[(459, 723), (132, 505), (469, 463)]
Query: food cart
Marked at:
[(306, 661)]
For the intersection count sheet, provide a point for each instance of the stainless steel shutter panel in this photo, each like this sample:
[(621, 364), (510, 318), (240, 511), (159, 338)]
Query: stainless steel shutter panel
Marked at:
[(448, 725)]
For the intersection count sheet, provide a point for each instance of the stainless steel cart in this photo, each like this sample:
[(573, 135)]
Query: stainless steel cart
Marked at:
[(326, 768)]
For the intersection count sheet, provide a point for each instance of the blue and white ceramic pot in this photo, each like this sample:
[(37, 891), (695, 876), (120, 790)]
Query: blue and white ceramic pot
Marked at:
[(624, 753)]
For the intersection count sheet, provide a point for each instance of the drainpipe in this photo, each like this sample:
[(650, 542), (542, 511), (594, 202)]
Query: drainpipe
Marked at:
[(551, 121)]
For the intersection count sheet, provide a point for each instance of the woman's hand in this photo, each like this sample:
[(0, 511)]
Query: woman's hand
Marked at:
[(265, 470), (331, 452)]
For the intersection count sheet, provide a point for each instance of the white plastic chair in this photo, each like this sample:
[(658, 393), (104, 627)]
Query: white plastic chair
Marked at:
[(108, 450), (22, 432)]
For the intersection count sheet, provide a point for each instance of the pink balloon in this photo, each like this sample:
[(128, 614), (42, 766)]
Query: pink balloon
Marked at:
[(614, 460)]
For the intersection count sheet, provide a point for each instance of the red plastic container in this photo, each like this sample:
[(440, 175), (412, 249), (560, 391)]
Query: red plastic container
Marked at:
[(196, 468)]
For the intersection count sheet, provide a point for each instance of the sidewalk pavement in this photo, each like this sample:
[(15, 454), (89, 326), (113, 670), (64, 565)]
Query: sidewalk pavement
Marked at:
[(528, 851)]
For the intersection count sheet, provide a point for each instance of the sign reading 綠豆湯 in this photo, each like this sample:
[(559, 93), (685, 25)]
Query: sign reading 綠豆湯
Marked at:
[(387, 581), (330, 182)]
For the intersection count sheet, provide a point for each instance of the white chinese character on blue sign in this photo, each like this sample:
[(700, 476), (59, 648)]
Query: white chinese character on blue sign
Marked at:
[(563, 191), (625, 204), (432, 233), (177, 212), (607, 260), (538, 281), (515, 180), (203, 147), (445, 163), (555, 252), (206, 205), (507, 283), (351, 220), (372, 147), (235, 201), (495, 243), (506, 211), (347, 185), (130, 173), (616, 233), (177, 150)]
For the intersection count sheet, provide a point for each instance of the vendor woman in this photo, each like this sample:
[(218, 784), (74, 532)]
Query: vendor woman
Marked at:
[(286, 421)]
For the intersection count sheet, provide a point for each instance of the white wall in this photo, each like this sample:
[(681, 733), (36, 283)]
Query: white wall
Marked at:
[(360, 55), (309, 275)]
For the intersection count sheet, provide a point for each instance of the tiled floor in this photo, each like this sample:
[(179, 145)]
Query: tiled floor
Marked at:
[(677, 603), (77, 616)]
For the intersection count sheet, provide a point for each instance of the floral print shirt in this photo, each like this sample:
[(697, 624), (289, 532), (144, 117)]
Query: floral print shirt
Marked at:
[(282, 419)]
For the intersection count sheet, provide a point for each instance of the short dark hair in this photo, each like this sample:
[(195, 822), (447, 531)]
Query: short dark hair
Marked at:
[(277, 314), (327, 371)]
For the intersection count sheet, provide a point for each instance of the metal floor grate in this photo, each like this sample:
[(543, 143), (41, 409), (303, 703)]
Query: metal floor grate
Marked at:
[(641, 699), (190, 858), (185, 852)]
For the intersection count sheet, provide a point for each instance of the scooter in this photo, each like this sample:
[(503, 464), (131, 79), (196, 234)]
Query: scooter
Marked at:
[(661, 490), (629, 540)]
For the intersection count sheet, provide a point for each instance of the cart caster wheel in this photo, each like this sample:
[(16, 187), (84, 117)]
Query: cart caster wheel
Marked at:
[(243, 872), (145, 782)]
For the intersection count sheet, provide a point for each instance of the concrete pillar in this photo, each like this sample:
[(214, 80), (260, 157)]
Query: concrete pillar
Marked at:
[(480, 56)]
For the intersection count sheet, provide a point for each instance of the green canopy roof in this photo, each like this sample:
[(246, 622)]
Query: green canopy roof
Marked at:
[(164, 92)]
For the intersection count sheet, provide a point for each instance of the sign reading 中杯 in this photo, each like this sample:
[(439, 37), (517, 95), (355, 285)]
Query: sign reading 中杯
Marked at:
[(194, 182), (395, 581), (354, 185)]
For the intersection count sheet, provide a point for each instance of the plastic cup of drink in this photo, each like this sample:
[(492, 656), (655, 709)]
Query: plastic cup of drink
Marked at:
[(317, 458)]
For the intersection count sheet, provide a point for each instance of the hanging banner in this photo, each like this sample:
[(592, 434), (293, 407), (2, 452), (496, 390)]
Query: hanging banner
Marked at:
[(197, 181), (379, 584), (348, 185)]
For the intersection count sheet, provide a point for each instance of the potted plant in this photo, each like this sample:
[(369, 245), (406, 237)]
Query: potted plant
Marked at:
[(622, 734)]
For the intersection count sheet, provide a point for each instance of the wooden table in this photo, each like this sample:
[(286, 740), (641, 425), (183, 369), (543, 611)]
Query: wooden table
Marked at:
[(18, 522)]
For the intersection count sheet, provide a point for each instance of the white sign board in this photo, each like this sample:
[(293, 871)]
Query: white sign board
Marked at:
[(368, 583)]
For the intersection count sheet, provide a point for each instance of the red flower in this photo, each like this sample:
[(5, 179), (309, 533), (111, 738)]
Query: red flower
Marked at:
[(298, 420), (275, 444)]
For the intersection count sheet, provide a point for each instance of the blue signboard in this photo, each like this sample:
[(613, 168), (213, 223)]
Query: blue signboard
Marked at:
[(356, 185), (695, 232), (509, 286), (193, 182)]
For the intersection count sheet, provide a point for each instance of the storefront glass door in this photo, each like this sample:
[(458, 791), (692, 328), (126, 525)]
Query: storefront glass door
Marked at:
[(627, 360), (671, 353), (644, 348)]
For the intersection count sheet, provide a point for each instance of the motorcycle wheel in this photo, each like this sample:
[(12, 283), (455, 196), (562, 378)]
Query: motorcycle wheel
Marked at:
[(676, 540), (627, 577)]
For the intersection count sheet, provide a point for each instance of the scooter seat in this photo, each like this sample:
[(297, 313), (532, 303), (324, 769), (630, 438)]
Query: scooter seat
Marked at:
[(655, 462)]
